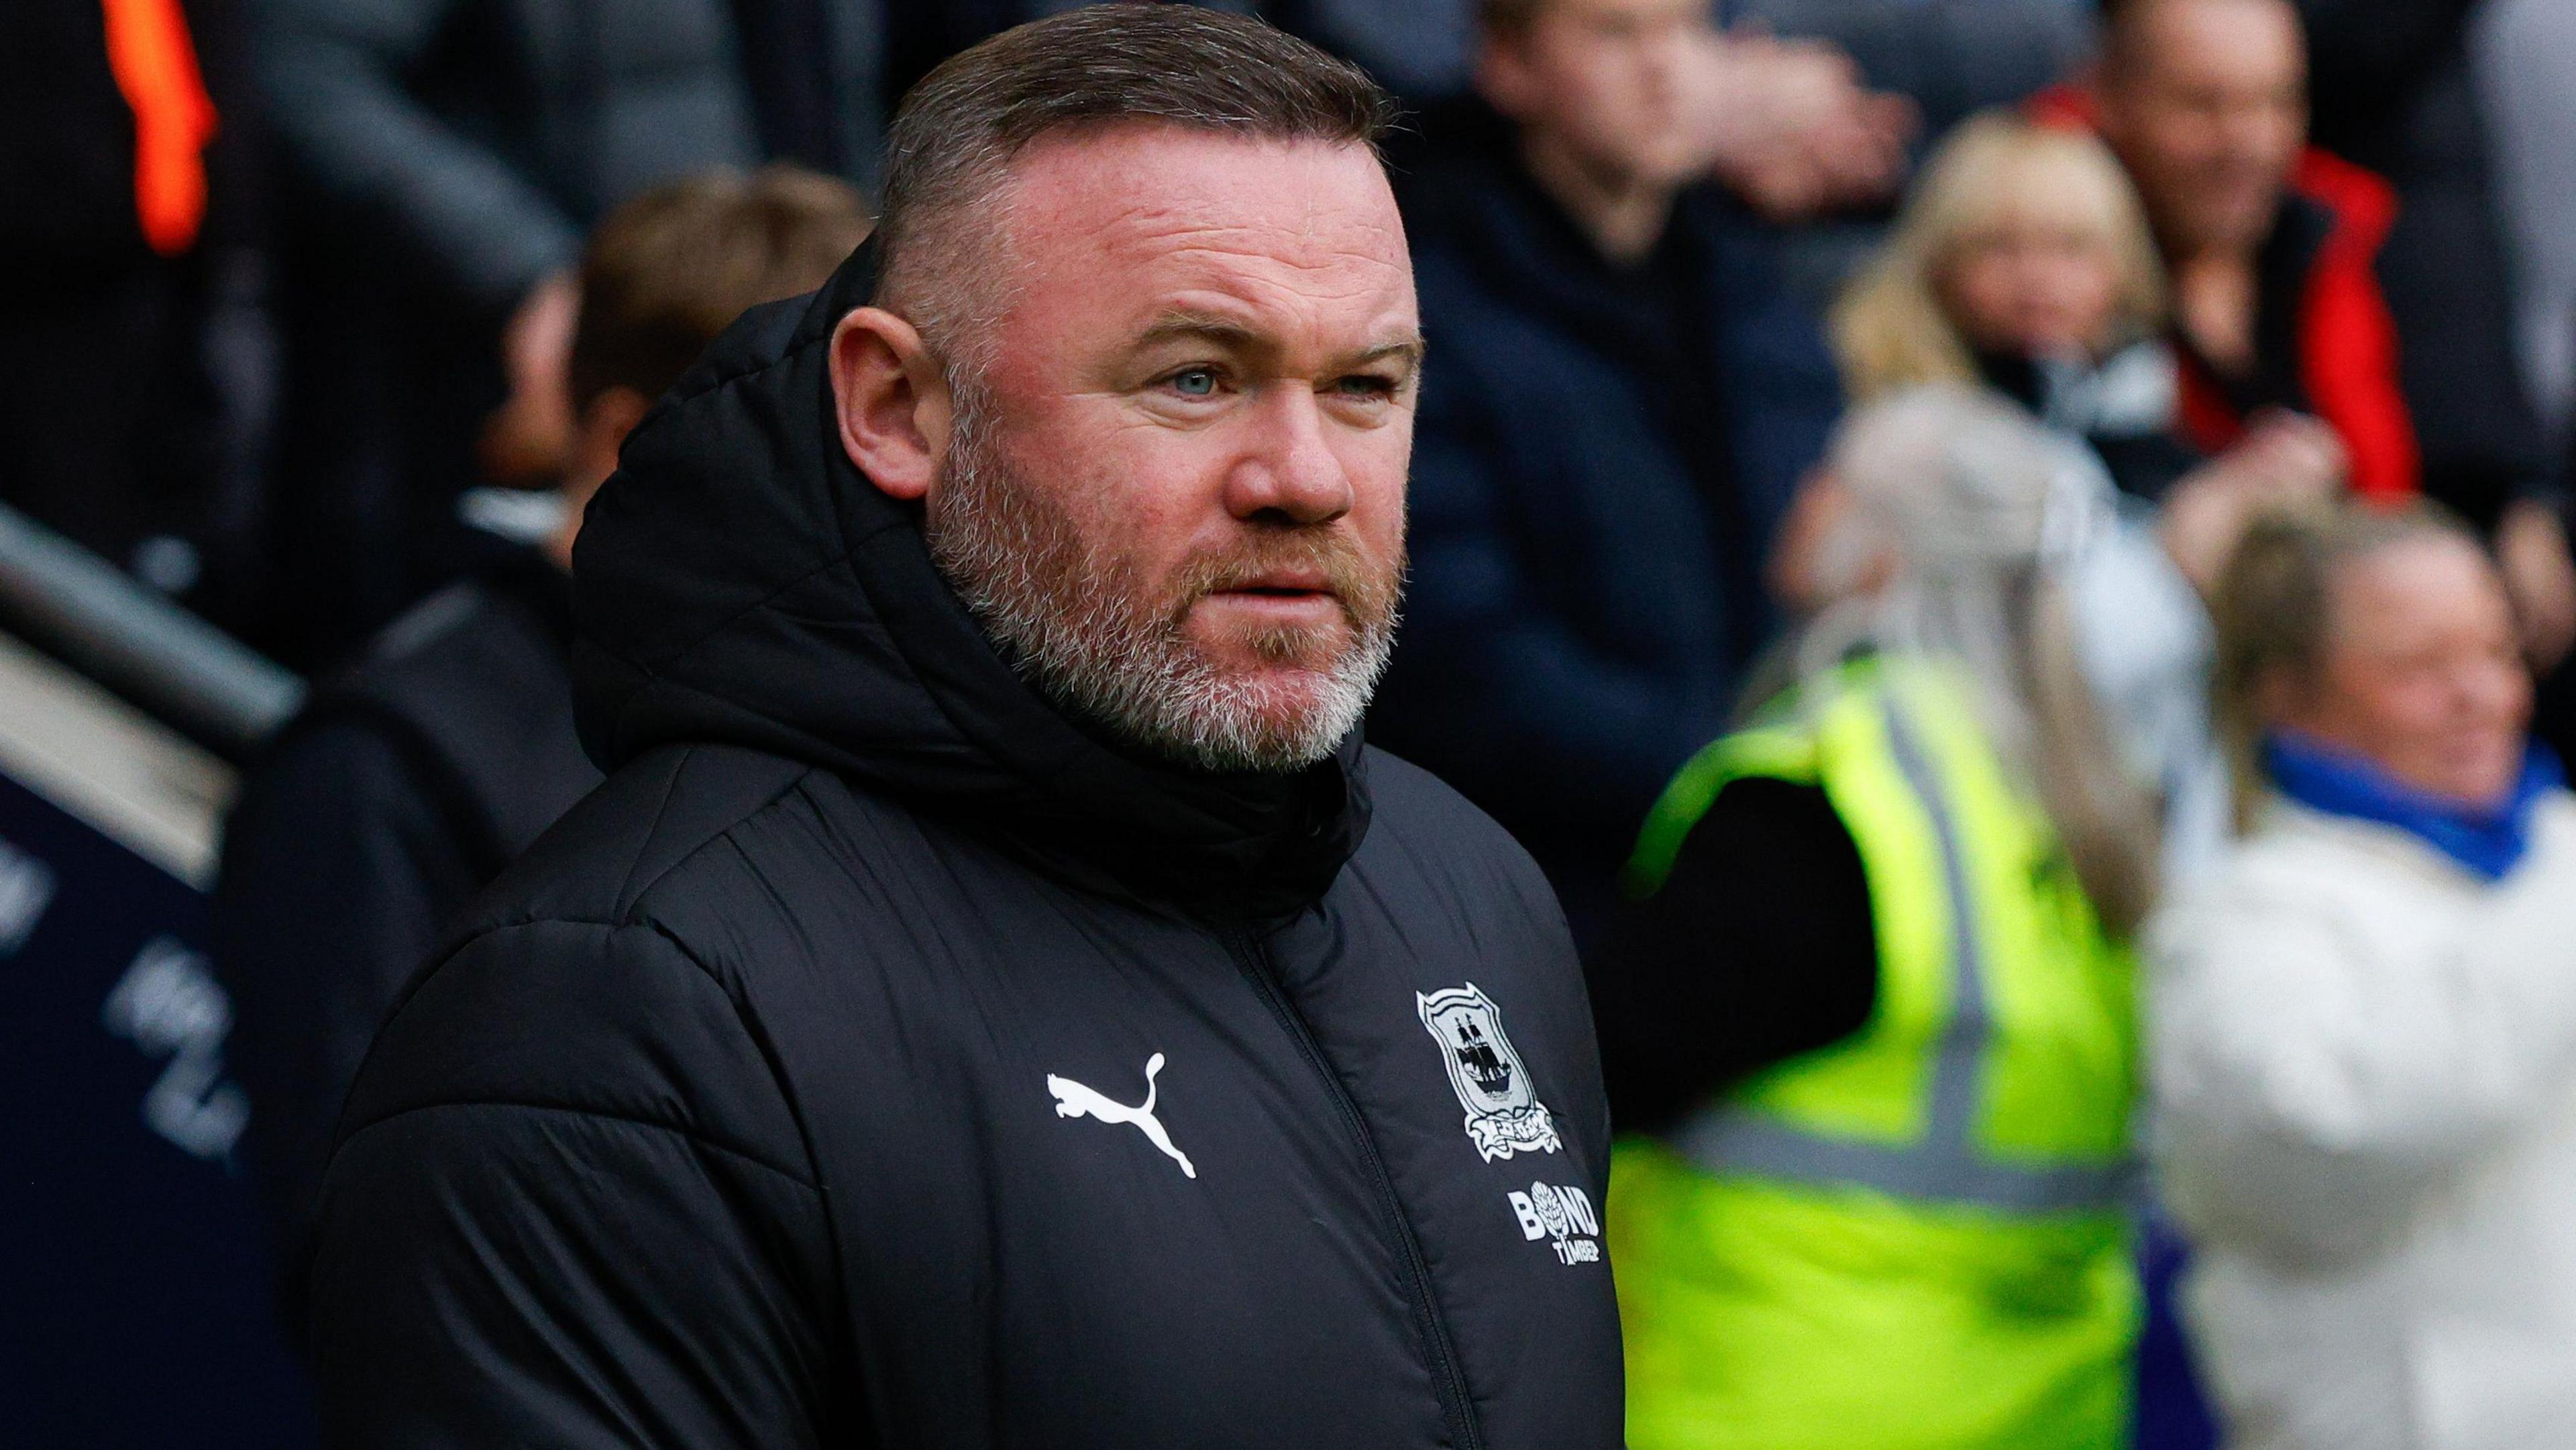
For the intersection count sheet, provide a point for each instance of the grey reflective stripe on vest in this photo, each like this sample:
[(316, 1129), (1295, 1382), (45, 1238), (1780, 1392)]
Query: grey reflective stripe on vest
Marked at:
[(1731, 1140), (1944, 1166)]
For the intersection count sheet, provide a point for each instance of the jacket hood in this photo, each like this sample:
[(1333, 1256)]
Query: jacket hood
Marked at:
[(739, 582)]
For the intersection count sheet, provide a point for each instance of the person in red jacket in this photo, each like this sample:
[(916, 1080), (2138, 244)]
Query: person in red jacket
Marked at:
[(2272, 248), (2269, 242)]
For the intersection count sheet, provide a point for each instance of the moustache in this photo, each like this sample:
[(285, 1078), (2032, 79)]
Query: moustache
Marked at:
[(1368, 592)]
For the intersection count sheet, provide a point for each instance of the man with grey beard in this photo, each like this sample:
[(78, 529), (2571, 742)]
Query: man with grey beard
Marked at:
[(1078, 620), (996, 999)]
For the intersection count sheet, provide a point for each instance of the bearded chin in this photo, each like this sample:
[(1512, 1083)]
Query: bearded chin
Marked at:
[(1075, 620)]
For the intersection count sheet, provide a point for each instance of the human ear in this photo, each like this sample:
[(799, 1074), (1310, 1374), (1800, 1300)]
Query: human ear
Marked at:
[(1504, 78), (2284, 696), (2109, 82), (609, 418), (598, 433), (892, 400)]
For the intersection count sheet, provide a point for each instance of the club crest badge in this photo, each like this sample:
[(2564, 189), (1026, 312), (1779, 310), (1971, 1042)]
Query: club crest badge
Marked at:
[(1504, 1115)]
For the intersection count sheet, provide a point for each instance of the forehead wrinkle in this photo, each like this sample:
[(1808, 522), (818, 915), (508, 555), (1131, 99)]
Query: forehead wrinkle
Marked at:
[(1260, 288), (1307, 248), (1225, 274), (1151, 208), (1246, 243), (1277, 310), (1136, 202)]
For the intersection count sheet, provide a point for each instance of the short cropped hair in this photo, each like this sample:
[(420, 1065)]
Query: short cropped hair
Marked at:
[(1508, 17), (957, 132), (672, 268)]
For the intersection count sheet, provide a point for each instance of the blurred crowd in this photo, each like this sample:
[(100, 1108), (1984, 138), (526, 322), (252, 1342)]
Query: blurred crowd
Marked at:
[(2007, 557)]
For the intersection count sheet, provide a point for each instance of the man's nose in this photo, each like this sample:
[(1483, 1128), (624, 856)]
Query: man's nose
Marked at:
[(2253, 136), (1289, 471), (1665, 54)]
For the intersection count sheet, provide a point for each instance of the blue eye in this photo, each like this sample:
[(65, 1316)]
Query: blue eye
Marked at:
[(1195, 383)]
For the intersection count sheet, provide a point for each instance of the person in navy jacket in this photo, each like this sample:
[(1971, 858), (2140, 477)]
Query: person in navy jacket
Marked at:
[(1625, 398)]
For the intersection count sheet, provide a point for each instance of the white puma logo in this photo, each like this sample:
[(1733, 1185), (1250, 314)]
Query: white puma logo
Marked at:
[(1073, 1100)]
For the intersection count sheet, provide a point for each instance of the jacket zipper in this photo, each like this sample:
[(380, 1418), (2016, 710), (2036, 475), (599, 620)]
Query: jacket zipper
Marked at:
[(1253, 959)]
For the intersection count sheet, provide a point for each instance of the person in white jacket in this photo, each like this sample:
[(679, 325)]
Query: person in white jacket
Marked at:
[(2362, 1024)]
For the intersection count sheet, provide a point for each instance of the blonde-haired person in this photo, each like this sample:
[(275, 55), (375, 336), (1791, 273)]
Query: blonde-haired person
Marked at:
[(2023, 262), (1870, 1013), (2017, 238), (2363, 1045)]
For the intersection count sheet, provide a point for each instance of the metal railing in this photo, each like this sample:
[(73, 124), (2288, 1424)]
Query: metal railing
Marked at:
[(69, 603)]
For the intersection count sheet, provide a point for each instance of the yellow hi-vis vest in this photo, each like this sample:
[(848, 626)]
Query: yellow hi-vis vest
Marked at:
[(1916, 1237)]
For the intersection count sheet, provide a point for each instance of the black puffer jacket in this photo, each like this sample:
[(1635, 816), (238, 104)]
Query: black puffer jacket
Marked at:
[(2394, 93), (405, 787), (763, 1102)]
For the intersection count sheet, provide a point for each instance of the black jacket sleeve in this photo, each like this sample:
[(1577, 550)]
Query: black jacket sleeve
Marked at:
[(1759, 947), (2363, 52), (333, 73), (571, 1206), (2394, 91), (338, 873)]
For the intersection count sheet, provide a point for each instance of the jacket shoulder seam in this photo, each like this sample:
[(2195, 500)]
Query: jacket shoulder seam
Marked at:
[(631, 893), (694, 1135)]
